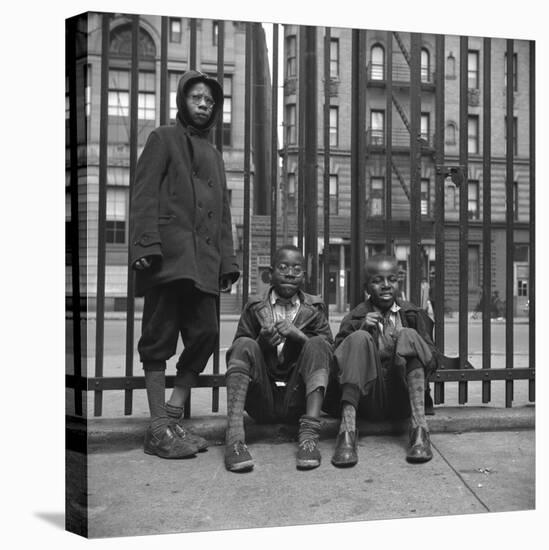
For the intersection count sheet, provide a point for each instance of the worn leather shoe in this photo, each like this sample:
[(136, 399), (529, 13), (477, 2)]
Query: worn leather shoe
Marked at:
[(167, 444), (238, 458), (194, 439), (420, 446), (345, 454)]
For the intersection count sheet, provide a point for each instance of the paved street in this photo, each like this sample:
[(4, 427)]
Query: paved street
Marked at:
[(131, 493)]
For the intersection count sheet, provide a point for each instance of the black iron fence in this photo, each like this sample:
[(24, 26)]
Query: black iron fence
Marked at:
[(313, 151)]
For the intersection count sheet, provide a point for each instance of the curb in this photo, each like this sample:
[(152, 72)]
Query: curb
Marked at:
[(117, 434)]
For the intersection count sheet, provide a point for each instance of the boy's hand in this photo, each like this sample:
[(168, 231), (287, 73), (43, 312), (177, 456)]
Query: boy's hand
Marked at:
[(371, 320), (142, 263), (270, 335), (289, 330), (225, 284)]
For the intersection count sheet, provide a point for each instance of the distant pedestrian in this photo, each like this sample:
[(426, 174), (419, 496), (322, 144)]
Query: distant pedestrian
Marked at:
[(278, 364), (182, 251)]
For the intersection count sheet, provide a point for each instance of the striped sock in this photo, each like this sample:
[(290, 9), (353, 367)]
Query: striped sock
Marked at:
[(237, 388), (348, 418), (416, 390)]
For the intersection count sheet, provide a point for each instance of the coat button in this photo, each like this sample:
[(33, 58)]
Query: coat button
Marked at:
[(195, 174), (208, 240), (210, 183), (210, 214), (199, 204)]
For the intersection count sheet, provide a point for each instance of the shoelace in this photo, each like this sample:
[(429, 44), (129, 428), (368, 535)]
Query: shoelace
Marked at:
[(239, 447)]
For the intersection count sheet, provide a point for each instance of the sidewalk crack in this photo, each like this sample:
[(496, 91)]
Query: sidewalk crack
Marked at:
[(458, 474)]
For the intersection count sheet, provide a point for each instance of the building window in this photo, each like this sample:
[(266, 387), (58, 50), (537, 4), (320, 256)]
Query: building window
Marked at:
[(227, 110), (146, 103), (119, 93), (425, 196), (425, 65), (173, 82), (291, 58), (450, 133), (334, 126), (291, 194), (472, 69), (451, 197), (175, 30), (334, 193), (215, 32), (116, 216), (377, 195), (377, 127), (515, 140), (451, 66), (425, 130), (472, 200), (334, 58), (291, 137), (377, 62), (87, 89), (473, 267), (119, 105), (472, 136), (515, 80)]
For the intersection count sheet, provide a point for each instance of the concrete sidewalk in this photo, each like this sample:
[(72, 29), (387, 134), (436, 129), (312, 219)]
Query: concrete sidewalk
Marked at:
[(484, 461)]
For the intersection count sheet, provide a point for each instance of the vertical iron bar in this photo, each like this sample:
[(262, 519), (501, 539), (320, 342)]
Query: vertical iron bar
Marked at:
[(358, 163), (164, 91), (247, 148), (487, 217), (389, 146), (532, 212), (509, 225), (415, 166), (219, 145), (274, 144), (192, 45), (439, 206), (73, 236), (102, 207), (301, 100), (326, 140), (310, 207), (130, 313), (463, 213)]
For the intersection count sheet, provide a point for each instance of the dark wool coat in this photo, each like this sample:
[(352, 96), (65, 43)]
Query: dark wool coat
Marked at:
[(310, 319), (410, 316), (180, 213)]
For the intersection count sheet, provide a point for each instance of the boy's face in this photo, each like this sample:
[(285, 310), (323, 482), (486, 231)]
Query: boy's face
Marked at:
[(200, 104), (287, 273), (382, 284)]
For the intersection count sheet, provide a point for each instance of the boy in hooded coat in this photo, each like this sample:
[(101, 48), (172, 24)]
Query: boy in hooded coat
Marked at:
[(182, 251)]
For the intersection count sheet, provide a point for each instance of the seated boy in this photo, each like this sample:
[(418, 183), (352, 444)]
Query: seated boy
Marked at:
[(383, 352), (278, 364)]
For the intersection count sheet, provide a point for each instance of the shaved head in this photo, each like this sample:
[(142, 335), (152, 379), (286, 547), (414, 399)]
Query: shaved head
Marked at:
[(380, 262)]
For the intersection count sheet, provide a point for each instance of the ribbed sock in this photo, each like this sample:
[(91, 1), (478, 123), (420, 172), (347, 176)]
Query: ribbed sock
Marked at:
[(237, 388), (173, 412), (348, 418), (416, 390), (155, 383)]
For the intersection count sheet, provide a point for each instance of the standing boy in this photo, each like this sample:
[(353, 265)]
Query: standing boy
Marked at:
[(278, 365), (383, 353), (182, 250)]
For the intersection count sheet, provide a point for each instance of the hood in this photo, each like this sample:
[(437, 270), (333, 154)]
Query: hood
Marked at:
[(189, 78)]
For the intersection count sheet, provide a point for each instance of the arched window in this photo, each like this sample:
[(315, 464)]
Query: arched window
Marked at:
[(120, 50), (121, 43), (377, 62), (451, 66), (425, 65), (450, 138)]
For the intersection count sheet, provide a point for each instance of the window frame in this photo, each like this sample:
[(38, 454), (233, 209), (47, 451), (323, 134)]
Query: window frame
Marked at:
[(175, 37)]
